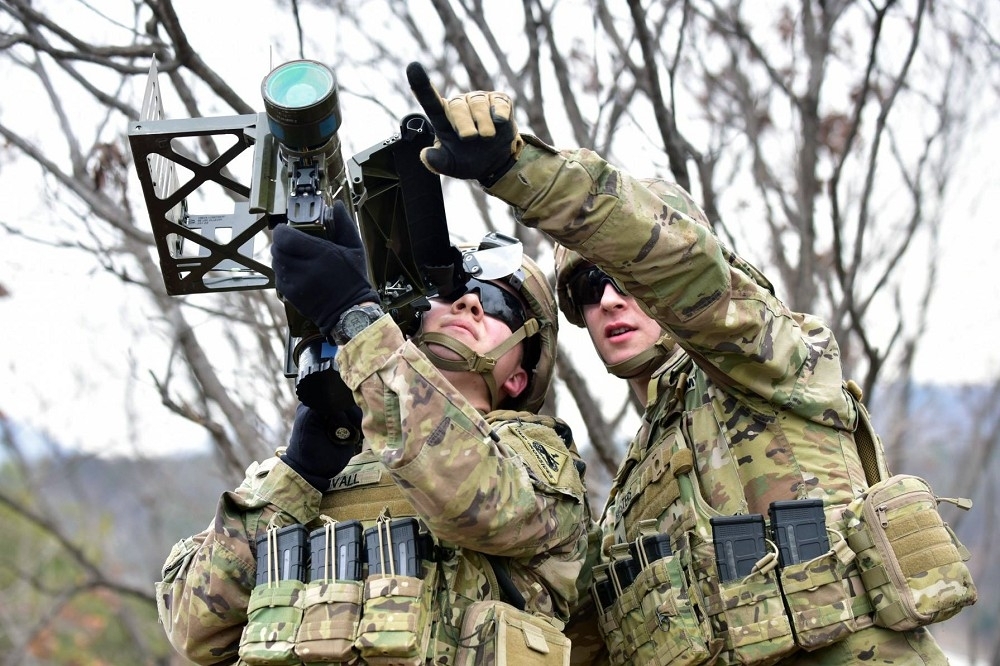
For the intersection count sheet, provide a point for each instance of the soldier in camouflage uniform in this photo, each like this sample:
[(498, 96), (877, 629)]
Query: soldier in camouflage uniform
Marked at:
[(745, 400), (451, 437)]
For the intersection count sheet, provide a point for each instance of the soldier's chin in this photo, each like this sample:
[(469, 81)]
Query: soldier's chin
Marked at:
[(444, 352)]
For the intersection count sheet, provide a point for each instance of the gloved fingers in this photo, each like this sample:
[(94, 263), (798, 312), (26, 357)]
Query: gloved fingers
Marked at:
[(470, 115), (474, 113), (506, 127), (289, 243), (481, 121), (501, 106), (345, 231), (460, 117), (427, 96)]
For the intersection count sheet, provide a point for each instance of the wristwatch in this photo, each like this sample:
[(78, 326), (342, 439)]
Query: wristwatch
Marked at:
[(354, 320)]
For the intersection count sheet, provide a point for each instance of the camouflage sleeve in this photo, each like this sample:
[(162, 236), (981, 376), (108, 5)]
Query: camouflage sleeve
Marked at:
[(476, 487), (735, 328), (207, 579)]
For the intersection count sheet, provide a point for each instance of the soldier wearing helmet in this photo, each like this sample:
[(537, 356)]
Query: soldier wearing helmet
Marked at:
[(452, 443), (524, 302), (747, 413)]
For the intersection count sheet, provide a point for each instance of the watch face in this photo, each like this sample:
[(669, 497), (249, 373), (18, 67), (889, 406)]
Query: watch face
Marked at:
[(355, 322)]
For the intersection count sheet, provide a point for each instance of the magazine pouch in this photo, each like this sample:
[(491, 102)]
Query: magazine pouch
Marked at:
[(818, 595), (498, 634), (273, 617), (399, 590), (330, 616), (608, 617), (912, 564), (395, 620), (748, 613), (658, 623)]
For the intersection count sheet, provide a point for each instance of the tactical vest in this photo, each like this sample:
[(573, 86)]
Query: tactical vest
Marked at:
[(662, 598), (454, 610)]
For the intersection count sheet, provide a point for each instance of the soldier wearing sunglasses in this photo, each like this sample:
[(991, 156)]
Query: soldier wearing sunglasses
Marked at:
[(746, 405)]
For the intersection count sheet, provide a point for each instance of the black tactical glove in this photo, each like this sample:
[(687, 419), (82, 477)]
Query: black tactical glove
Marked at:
[(476, 137), (321, 277), (320, 446)]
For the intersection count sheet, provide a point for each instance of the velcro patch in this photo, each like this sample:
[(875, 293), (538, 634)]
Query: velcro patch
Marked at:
[(354, 478)]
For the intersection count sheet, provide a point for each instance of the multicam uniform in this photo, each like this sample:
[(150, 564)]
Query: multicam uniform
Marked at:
[(508, 484), (750, 408)]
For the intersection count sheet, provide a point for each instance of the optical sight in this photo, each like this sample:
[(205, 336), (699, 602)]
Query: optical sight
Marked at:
[(302, 104)]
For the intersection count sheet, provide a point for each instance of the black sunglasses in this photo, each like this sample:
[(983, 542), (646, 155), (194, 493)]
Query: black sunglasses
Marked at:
[(586, 287), (496, 301)]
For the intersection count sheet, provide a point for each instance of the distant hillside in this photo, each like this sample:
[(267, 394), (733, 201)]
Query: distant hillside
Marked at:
[(132, 510)]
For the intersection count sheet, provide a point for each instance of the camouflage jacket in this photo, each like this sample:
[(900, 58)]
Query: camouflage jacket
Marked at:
[(752, 403), (507, 484), (772, 419)]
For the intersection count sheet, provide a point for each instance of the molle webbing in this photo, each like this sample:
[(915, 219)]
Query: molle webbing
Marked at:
[(653, 484), (660, 466)]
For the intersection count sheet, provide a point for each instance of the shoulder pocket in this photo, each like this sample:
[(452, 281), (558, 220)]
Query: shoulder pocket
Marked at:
[(545, 452), (173, 569)]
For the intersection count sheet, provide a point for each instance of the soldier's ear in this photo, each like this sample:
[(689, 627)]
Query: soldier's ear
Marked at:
[(516, 383)]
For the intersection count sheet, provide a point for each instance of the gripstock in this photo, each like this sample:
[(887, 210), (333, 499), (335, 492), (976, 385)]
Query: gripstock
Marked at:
[(295, 173)]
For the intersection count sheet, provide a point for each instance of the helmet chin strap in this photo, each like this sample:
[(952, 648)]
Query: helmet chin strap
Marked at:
[(470, 360), (645, 361)]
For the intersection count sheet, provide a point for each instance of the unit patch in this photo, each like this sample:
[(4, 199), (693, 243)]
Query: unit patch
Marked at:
[(551, 459)]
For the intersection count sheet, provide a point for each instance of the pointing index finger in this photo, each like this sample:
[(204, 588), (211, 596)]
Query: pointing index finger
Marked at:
[(429, 99)]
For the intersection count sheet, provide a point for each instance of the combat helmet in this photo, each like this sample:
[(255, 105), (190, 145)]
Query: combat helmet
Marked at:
[(539, 334), (567, 263)]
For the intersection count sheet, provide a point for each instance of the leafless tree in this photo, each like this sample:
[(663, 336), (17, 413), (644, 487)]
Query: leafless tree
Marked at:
[(821, 136)]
